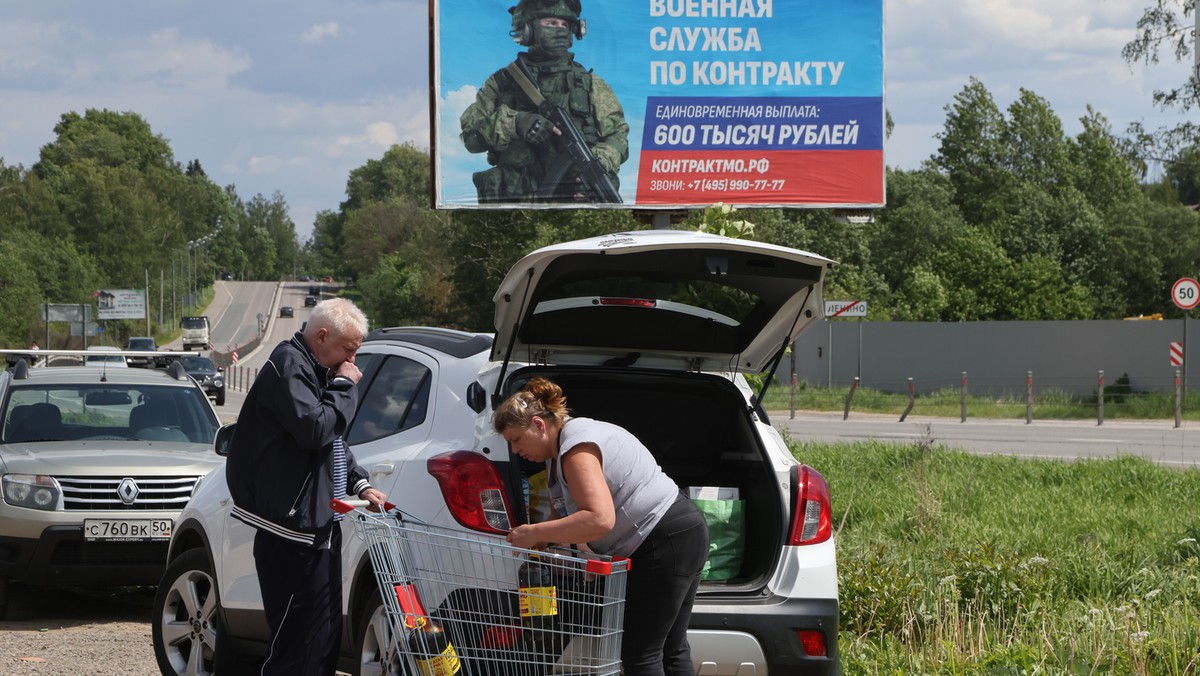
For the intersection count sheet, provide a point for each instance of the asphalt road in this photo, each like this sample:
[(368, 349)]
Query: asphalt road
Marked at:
[(235, 315), (1159, 441)]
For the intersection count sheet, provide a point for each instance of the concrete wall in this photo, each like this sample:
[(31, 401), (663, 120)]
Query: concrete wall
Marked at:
[(1066, 355)]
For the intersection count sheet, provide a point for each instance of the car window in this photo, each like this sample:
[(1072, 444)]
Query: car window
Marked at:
[(106, 410), (397, 399), (198, 364)]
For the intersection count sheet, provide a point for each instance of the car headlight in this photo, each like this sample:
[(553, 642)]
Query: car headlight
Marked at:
[(218, 382), (32, 491)]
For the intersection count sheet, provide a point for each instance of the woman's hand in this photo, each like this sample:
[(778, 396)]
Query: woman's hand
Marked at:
[(525, 536)]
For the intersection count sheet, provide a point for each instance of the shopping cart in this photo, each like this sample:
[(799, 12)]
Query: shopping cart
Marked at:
[(461, 602)]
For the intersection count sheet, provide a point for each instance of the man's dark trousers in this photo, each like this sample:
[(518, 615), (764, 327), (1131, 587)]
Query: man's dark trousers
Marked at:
[(302, 597)]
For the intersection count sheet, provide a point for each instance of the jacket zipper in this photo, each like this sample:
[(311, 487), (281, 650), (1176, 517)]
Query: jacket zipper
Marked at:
[(299, 495)]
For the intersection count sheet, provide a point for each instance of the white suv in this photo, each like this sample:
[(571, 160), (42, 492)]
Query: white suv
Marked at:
[(650, 330)]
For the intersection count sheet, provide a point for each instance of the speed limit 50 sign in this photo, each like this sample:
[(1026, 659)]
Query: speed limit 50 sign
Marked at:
[(1186, 293)]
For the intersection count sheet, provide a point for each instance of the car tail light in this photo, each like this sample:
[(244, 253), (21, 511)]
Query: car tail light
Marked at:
[(473, 491), (813, 642), (812, 520)]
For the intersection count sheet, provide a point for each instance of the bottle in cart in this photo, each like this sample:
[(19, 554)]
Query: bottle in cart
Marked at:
[(538, 596), (431, 646)]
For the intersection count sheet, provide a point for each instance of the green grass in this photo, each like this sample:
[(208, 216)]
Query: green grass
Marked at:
[(1047, 405), (951, 563)]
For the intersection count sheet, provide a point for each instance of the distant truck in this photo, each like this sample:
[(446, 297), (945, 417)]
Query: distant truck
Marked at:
[(195, 332)]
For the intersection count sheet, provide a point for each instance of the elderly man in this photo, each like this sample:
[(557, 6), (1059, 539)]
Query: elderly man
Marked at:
[(287, 460)]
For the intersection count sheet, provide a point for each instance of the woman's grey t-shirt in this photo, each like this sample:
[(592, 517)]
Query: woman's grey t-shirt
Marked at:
[(641, 492)]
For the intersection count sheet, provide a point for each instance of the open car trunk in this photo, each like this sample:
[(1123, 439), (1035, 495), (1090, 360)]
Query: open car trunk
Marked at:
[(699, 429)]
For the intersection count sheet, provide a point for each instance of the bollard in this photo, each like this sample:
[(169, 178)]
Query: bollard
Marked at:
[(1178, 400), (1100, 401), (908, 408), (964, 397), (849, 396), (1028, 397)]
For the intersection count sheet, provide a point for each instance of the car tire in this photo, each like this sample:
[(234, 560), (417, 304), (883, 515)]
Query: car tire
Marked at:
[(377, 651), (221, 397), (3, 598), (185, 617)]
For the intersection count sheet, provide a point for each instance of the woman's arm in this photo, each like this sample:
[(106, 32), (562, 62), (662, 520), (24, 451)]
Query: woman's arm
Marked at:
[(584, 474)]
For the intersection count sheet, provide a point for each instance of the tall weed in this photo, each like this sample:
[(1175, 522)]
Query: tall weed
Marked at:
[(951, 563)]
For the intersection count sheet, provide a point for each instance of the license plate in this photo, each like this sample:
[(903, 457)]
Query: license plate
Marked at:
[(126, 530)]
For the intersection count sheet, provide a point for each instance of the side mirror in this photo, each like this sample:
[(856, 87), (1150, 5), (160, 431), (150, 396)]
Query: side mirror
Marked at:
[(224, 439)]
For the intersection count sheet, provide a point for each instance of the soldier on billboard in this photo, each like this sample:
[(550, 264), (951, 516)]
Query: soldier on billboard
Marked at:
[(553, 131)]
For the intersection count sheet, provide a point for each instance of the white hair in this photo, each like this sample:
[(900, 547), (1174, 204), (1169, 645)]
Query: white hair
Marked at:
[(339, 315)]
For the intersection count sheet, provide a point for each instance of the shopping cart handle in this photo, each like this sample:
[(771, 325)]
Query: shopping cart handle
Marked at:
[(347, 506)]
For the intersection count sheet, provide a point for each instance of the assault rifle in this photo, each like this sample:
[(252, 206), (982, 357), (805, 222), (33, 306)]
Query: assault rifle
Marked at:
[(575, 158)]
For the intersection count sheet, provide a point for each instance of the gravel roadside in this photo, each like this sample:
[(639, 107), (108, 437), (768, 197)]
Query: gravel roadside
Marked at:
[(79, 632), (62, 631)]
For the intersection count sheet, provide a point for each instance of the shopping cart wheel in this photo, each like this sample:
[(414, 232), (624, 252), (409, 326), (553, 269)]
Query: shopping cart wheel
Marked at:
[(377, 648)]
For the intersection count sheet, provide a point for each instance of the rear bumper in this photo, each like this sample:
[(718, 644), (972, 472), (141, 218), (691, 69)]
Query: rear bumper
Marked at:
[(62, 556), (726, 635)]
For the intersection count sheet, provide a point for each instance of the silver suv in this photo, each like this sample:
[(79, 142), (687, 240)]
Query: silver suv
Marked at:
[(95, 464), (651, 330)]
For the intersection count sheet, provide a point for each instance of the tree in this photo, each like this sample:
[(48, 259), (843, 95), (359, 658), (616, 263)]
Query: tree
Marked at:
[(972, 152), (921, 219), (270, 218), (21, 298), (124, 198), (1166, 29), (1102, 168), (1184, 175)]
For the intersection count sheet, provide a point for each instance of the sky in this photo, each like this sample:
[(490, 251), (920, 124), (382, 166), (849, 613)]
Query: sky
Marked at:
[(289, 97)]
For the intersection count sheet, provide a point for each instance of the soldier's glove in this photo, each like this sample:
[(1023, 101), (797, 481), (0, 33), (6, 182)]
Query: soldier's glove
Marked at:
[(534, 128)]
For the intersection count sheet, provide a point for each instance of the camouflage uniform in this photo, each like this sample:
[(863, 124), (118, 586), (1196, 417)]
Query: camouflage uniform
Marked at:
[(518, 165)]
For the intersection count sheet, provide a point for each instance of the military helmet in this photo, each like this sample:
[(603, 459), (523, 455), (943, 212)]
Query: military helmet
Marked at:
[(527, 11)]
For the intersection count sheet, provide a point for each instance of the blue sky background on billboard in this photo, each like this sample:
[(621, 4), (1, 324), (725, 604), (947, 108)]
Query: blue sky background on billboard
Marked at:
[(290, 97)]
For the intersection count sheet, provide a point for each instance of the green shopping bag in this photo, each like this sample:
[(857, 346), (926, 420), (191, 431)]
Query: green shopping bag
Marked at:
[(726, 521)]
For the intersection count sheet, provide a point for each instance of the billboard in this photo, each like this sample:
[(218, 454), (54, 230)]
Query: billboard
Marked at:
[(121, 304), (677, 103)]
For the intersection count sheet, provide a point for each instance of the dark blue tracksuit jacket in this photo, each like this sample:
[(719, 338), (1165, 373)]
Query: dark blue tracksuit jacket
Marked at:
[(280, 463)]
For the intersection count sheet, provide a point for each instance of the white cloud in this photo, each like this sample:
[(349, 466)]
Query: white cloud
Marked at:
[(377, 134), (319, 32), (168, 59), (270, 164)]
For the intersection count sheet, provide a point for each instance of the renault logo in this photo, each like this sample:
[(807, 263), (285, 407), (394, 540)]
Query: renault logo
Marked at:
[(128, 491)]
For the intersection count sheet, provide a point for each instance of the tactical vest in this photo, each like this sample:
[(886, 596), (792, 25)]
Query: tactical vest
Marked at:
[(565, 83)]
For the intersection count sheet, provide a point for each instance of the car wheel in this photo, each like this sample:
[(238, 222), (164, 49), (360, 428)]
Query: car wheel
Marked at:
[(221, 397), (377, 649), (3, 597), (185, 618)]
